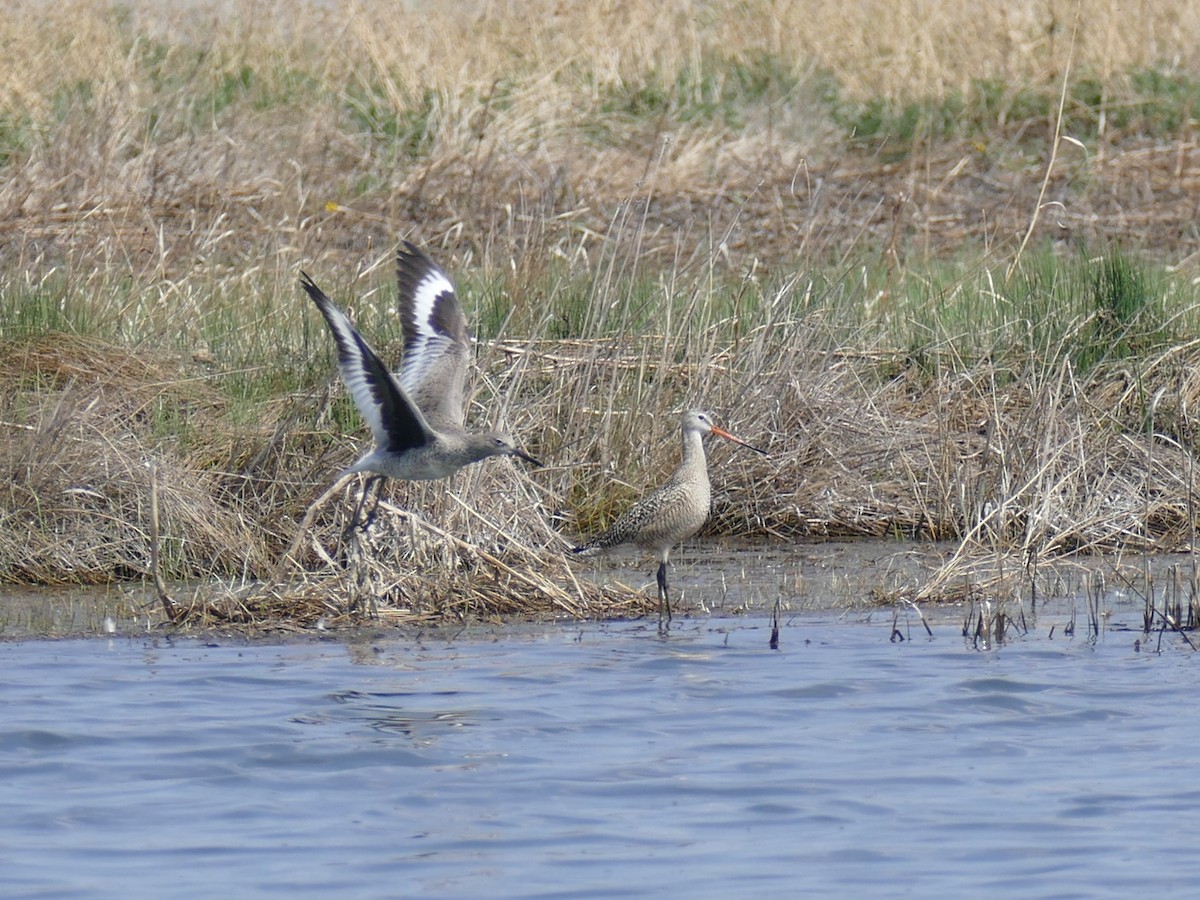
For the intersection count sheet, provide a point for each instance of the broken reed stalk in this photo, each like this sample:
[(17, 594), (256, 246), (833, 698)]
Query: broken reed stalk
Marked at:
[(160, 588), (897, 635), (557, 596), (1054, 143), (921, 615), (310, 516)]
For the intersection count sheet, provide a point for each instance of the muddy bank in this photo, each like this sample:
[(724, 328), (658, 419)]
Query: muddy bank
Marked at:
[(711, 578)]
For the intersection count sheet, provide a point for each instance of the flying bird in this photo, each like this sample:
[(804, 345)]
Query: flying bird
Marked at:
[(416, 415)]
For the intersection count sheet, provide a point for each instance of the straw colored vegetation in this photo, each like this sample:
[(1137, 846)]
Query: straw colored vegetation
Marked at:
[(937, 258)]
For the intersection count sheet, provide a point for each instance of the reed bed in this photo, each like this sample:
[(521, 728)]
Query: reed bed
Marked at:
[(953, 300), (1057, 463)]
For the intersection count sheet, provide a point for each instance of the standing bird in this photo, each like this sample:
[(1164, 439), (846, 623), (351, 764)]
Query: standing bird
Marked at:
[(416, 416), (672, 513)]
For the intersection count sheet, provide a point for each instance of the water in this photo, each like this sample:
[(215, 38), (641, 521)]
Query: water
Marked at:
[(602, 760)]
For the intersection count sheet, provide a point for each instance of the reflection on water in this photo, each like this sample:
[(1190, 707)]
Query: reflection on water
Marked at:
[(599, 760), (389, 712)]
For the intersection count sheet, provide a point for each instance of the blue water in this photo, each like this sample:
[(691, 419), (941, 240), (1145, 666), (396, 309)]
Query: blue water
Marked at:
[(601, 760)]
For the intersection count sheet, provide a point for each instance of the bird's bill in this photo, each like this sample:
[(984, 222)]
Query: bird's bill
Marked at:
[(721, 432), (516, 451)]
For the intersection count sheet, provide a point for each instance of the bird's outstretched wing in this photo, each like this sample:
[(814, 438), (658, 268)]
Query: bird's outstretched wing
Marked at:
[(436, 342), (395, 421)]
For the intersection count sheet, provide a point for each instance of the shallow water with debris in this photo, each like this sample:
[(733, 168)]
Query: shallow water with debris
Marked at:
[(605, 759)]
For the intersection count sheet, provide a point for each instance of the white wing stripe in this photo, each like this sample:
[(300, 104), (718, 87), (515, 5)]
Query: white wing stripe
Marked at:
[(432, 285), (429, 344), (354, 374)]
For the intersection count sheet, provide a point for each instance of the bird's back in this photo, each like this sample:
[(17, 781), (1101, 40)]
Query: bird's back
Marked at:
[(669, 514), (672, 513)]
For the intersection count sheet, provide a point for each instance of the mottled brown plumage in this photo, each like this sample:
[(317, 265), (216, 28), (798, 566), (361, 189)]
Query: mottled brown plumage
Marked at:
[(673, 512)]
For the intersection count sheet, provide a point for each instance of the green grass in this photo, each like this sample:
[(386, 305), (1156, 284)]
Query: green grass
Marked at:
[(267, 340), (719, 89), (928, 335), (408, 131), (1149, 103), (739, 92)]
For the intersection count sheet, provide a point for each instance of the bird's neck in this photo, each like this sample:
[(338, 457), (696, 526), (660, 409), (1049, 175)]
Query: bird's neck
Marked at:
[(693, 452)]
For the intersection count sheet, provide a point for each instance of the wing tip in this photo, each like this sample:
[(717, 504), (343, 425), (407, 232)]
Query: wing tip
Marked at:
[(412, 260), (310, 287)]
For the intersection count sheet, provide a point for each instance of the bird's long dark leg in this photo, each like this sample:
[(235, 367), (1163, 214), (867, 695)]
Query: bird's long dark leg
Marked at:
[(370, 518), (664, 596), (362, 501)]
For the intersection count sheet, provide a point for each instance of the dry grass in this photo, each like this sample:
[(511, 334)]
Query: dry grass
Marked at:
[(654, 202), (406, 571), (80, 420), (237, 140), (78, 510)]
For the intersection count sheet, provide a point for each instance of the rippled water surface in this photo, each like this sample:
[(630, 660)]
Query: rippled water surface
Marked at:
[(602, 760)]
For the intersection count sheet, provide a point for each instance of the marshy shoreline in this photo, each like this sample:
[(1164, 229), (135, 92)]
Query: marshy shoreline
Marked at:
[(721, 582), (959, 309)]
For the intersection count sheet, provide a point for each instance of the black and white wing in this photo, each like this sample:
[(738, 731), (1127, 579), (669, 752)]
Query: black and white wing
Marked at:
[(436, 342), (395, 421)]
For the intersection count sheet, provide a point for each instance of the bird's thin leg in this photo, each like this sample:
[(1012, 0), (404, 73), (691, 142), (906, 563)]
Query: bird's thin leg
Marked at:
[(664, 596), (362, 501), (370, 519)]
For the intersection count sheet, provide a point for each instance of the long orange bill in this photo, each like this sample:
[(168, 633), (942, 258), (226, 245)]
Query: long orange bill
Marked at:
[(721, 432)]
